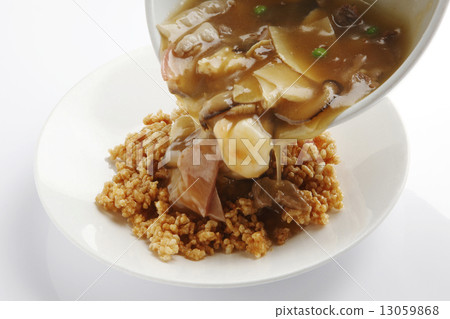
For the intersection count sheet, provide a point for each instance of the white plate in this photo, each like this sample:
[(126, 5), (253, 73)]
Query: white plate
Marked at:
[(98, 112)]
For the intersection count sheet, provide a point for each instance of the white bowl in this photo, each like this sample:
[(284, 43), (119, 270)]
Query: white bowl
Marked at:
[(422, 18), (98, 113)]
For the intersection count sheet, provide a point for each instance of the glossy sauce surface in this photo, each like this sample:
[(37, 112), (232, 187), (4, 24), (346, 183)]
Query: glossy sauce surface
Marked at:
[(349, 50), (289, 67)]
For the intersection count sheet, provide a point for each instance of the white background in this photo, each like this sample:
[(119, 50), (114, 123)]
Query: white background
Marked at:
[(47, 46)]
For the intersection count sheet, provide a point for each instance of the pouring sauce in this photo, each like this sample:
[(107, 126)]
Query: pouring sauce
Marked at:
[(256, 70)]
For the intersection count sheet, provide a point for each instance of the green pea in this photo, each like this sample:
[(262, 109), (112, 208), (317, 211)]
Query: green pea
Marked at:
[(319, 52), (260, 10), (372, 30)]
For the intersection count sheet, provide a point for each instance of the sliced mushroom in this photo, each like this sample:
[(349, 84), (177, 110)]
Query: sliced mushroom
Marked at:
[(362, 85), (242, 109), (224, 105), (297, 113), (356, 64), (271, 193), (218, 105), (346, 16), (250, 39), (231, 188)]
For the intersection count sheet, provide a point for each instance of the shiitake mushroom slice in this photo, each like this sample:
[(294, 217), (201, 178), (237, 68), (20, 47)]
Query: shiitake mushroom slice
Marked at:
[(298, 113), (218, 105), (223, 105)]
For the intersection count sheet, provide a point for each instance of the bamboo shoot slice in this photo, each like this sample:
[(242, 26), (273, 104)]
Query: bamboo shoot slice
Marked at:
[(277, 81), (247, 91)]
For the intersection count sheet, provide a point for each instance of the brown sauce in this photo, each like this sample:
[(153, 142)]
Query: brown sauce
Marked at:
[(270, 69), (349, 50)]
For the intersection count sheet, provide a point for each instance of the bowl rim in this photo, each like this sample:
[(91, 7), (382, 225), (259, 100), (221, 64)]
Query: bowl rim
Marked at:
[(369, 101)]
